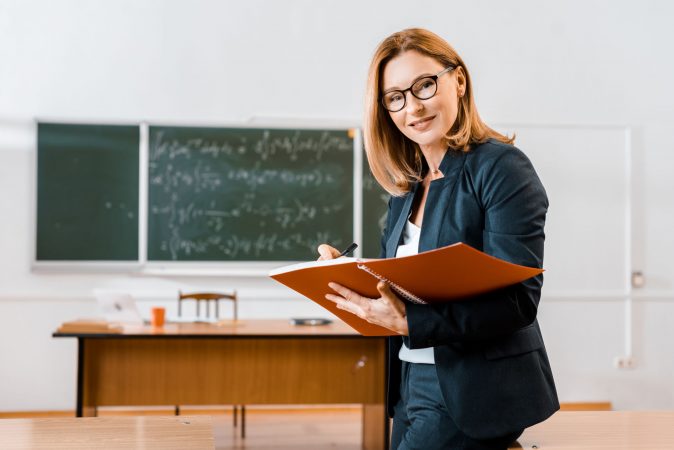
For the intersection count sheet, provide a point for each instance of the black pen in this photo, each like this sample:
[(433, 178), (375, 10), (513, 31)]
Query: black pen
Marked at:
[(349, 249)]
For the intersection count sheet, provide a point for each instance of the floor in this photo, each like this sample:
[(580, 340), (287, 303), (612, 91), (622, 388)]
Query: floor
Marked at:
[(310, 429), (267, 428), (276, 427)]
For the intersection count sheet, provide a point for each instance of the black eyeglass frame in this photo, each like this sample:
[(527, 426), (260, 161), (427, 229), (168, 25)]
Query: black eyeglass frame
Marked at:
[(404, 91)]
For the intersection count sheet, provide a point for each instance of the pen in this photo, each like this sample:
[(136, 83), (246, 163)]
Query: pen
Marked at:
[(349, 249)]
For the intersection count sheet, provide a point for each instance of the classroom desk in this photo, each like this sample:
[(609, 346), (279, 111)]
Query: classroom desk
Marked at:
[(601, 430), (244, 363), (117, 433)]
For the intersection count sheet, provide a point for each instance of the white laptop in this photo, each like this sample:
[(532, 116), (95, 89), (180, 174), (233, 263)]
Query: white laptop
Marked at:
[(118, 307)]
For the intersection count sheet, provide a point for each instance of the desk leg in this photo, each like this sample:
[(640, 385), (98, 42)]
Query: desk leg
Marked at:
[(83, 408), (375, 427)]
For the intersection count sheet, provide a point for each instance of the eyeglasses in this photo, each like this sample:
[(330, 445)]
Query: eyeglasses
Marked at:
[(423, 89)]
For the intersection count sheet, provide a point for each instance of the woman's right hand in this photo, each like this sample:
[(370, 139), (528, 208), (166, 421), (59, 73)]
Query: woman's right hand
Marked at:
[(327, 252)]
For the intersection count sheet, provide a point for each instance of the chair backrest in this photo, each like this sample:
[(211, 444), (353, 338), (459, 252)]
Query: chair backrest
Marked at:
[(208, 297)]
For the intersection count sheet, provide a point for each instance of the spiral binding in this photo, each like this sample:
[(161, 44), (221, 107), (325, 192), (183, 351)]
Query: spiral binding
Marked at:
[(407, 294)]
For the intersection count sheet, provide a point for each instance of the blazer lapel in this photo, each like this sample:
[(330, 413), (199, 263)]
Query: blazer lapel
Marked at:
[(396, 232), (439, 198)]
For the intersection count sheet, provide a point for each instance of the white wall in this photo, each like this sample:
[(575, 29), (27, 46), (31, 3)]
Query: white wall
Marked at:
[(194, 62)]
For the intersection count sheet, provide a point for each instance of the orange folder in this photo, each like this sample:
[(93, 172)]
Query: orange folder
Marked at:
[(445, 274)]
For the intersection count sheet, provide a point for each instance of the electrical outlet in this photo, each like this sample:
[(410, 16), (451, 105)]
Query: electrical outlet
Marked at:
[(623, 362)]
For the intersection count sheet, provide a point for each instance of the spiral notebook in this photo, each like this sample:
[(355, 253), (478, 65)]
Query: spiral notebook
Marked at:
[(449, 273)]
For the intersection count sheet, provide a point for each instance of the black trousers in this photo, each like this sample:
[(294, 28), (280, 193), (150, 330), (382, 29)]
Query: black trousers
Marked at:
[(422, 422)]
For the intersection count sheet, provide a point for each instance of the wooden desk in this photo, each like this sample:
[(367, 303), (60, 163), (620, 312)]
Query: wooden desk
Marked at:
[(163, 433), (602, 430), (244, 362)]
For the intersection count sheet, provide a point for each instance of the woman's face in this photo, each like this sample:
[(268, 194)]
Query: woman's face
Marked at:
[(425, 122)]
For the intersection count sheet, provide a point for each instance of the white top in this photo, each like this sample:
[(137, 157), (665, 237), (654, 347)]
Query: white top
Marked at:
[(410, 246)]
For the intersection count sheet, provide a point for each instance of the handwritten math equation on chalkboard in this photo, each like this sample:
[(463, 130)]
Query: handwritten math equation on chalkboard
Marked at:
[(247, 194)]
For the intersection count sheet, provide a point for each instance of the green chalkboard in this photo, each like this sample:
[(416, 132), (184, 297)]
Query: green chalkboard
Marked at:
[(248, 194), (375, 209), (87, 192)]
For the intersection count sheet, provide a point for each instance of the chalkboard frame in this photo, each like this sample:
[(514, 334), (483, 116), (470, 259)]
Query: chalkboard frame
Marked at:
[(191, 268)]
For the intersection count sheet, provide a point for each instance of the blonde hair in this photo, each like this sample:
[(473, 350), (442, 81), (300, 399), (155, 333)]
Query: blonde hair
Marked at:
[(395, 160)]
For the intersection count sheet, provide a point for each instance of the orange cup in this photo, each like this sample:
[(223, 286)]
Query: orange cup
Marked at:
[(158, 315)]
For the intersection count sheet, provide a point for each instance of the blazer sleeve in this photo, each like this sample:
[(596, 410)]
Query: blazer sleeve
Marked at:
[(514, 204)]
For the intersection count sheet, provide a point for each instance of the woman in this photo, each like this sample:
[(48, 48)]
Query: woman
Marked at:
[(470, 374)]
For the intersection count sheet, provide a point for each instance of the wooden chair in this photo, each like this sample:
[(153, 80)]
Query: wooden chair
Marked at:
[(209, 298), (214, 298)]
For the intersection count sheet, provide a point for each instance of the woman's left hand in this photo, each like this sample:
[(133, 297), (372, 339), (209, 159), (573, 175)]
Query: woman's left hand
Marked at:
[(387, 311)]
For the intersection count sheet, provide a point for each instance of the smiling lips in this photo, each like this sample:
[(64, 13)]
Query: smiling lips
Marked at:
[(422, 124)]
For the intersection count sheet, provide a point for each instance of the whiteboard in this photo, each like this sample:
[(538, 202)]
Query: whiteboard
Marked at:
[(586, 173)]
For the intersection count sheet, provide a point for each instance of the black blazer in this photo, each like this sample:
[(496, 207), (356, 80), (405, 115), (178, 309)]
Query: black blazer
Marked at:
[(490, 358)]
